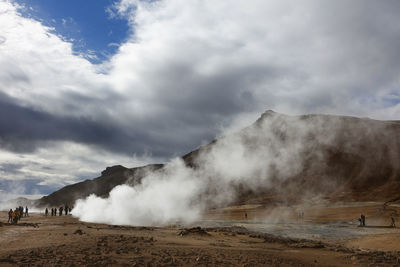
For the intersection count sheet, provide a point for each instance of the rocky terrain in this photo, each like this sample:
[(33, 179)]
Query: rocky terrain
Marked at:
[(64, 241)]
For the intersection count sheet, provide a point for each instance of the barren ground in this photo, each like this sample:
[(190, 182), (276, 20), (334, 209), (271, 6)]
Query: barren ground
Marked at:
[(326, 236)]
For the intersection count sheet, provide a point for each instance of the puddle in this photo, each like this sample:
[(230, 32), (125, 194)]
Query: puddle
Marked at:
[(321, 231)]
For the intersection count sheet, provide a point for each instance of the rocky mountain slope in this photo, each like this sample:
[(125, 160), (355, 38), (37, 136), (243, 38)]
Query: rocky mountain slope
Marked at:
[(291, 158), (101, 186)]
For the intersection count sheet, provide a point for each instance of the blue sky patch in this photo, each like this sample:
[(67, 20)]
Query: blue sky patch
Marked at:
[(87, 24)]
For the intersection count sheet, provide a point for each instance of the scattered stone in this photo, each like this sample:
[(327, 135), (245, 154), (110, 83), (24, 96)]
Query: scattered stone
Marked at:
[(79, 232), (194, 230)]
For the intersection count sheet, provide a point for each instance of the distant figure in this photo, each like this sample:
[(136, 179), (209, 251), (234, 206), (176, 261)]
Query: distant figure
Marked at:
[(10, 212), (21, 212), (26, 211), (66, 210), (393, 224), (46, 212), (60, 211), (362, 220), (245, 215)]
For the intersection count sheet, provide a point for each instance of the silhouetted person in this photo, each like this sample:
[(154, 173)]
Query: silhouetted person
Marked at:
[(66, 210), (362, 220), (245, 215), (60, 211), (10, 212), (21, 212), (46, 212), (26, 211), (393, 224)]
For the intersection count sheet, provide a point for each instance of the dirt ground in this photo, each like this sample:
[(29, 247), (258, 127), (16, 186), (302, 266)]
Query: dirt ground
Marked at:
[(65, 241)]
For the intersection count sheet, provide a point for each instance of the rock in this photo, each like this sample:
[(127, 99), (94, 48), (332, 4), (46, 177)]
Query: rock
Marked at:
[(113, 169), (79, 232), (195, 230)]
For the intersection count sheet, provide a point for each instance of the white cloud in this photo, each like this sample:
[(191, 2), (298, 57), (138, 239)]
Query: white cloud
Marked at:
[(61, 163)]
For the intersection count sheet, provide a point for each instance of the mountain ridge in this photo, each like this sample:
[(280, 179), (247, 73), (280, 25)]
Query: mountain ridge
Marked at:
[(342, 156)]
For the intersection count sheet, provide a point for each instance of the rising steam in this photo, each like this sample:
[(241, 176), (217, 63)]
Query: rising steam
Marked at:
[(260, 157)]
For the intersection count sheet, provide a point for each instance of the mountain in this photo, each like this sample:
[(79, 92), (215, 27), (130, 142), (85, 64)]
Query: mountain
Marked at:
[(101, 186), (282, 158)]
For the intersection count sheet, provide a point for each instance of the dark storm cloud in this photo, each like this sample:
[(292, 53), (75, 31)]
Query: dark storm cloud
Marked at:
[(23, 129)]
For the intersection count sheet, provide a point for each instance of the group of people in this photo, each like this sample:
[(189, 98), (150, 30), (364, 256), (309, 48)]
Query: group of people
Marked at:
[(362, 220), (66, 209), (15, 215)]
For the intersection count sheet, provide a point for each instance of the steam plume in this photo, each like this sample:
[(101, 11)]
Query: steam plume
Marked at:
[(274, 150)]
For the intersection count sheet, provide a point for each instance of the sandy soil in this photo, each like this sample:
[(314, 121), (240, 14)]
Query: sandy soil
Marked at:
[(326, 236)]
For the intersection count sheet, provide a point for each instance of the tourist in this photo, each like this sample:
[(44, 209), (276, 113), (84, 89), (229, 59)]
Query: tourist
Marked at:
[(21, 212), (26, 211), (362, 220), (16, 215), (10, 212), (46, 212)]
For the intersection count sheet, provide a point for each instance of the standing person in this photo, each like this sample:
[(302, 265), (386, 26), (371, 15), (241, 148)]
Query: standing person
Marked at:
[(21, 212), (46, 212), (66, 209), (393, 222), (16, 215), (362, 220), (26, 211), (60, 211), (10, 212)]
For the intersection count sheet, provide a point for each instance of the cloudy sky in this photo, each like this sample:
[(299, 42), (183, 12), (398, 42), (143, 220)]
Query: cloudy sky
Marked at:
[(90, 84)]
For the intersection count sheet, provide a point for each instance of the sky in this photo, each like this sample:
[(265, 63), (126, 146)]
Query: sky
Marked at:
[(90, 84)]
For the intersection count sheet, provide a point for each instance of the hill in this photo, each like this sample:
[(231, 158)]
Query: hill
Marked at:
[(283, 158), (101, 186)]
